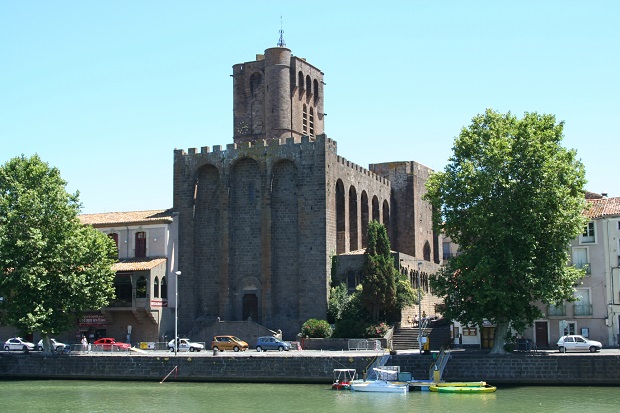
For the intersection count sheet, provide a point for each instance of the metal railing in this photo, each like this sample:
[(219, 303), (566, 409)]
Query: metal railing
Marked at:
[(556, 310), (364, 344), (439, 364), (582, 309)]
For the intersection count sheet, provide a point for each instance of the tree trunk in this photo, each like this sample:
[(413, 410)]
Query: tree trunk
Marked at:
[(500, 339)]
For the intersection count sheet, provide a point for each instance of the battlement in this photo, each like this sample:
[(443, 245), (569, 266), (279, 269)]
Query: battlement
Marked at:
[(305, 144), (362, 170)]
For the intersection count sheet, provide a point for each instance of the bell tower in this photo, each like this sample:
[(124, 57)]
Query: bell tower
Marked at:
[(277, 96)]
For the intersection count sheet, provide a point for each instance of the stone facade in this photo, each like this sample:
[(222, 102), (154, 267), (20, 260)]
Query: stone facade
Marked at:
[(542, 369), (260, 220)]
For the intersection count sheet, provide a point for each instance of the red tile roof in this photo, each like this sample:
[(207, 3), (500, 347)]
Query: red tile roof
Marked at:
[(138, 264), (603, 207), (127, 218)]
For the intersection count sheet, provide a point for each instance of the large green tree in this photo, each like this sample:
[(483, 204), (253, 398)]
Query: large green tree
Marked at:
[(384, 290), (52, 268), (512, 198)]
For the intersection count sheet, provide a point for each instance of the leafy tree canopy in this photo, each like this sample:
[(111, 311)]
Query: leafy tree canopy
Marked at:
[(51, 266), (512, 198)]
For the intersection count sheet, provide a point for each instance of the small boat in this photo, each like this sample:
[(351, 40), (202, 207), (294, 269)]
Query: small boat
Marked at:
[(385, 382), (343, 378), (463, 387)]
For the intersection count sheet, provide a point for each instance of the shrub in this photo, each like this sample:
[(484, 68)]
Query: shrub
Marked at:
[(314, 328), (377, 330), (349, 328)]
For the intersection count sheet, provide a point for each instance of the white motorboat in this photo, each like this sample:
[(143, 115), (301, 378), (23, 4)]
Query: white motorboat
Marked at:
[(385, 382)]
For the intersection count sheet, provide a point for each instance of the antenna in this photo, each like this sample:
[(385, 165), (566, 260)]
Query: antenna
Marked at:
[(281, 41)]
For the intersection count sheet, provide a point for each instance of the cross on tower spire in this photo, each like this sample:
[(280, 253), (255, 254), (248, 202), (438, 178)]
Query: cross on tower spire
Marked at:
[(281, 41)]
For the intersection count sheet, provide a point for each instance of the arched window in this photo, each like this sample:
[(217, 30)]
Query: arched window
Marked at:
[(141, 287), (255, 83), (311, 121), (156, 288), (427, 251), (308, 85), (316, 90), (164, 287), (365, 218), (352, 281), (140, 244), (376, 216), (300, 82), (340, 218), (353, 224), (304, 121)]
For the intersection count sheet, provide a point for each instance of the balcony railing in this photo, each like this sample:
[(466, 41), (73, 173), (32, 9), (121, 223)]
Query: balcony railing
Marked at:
[(556, 310), (585, 266), (583, 309)]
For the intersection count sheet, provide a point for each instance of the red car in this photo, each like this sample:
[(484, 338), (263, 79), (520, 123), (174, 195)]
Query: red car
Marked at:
[(108, 344)]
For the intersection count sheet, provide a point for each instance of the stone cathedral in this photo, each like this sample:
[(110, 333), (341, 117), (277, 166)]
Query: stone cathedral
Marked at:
[(261, 218)]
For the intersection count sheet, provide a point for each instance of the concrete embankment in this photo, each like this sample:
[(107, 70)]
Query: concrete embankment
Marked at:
[(302, 367)]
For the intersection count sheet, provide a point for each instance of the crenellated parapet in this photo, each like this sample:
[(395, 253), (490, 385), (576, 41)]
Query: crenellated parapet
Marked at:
[(289, 148), (355, 167)]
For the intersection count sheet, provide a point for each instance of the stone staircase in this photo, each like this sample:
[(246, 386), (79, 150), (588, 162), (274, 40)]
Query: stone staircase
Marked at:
[(406, 338)]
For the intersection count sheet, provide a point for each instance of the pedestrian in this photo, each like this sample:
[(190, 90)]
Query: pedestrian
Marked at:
[(415, 320), (84, 343), (409, 321)]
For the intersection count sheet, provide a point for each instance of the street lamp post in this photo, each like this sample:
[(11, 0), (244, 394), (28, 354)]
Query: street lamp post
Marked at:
[(419, 308), (176, 311)]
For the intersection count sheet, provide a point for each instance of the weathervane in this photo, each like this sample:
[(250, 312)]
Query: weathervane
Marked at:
[(281, 41)]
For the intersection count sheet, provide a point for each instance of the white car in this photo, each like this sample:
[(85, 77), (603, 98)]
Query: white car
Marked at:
[(17, 343), (186, 345), (578, 343), (57, 346)]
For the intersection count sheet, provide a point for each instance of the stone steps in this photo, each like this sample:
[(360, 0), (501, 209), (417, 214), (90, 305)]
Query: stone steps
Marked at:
[(406, 338)]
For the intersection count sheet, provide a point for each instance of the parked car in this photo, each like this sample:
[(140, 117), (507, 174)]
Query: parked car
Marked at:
[(272, 343), (578, 343), (110, 344), (186, 345), (17, 343), (57, 346), (222, 343)]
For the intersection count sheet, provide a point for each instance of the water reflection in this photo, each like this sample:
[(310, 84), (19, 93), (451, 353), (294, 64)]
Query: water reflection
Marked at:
[(112, 396)]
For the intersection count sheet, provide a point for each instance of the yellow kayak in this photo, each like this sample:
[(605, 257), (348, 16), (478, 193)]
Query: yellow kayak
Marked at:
[(463, 389), (461, 384)]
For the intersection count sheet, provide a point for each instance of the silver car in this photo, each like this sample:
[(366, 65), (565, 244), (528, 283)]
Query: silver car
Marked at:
[(578, 343), (186, 345), (57, 346)]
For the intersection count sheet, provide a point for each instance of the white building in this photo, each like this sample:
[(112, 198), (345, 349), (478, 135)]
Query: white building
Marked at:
[(143, 308)]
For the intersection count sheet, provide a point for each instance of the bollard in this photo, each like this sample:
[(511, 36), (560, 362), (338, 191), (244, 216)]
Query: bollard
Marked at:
[(215, 352)]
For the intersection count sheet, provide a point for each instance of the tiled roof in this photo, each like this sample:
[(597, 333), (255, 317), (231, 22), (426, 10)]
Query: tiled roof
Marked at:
[(126, 218), (603, 207), (138, 264)]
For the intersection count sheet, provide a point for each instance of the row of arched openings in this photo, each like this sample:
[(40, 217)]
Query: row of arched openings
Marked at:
[(309, 86), (358, 217)]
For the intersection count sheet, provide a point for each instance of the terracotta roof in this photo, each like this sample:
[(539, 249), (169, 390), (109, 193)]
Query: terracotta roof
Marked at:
[(138, 264), (593, 195), (603, 207), (125, 218)]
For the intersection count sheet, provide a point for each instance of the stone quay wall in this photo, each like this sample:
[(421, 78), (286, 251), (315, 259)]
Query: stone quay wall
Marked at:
[(539, 369)]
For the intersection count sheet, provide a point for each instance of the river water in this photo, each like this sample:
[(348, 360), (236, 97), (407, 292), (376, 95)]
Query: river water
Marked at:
[(118, 397)]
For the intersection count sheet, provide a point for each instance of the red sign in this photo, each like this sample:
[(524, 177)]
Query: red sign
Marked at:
[(159, 303)]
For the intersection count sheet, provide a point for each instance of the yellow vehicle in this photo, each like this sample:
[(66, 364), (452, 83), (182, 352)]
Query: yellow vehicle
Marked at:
[(222, 343)]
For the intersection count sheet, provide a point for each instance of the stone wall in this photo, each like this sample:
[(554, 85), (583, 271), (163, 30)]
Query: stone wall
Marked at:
[(534, 369)]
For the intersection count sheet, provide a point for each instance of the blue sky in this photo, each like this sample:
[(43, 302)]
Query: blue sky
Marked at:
[(106, 90)]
